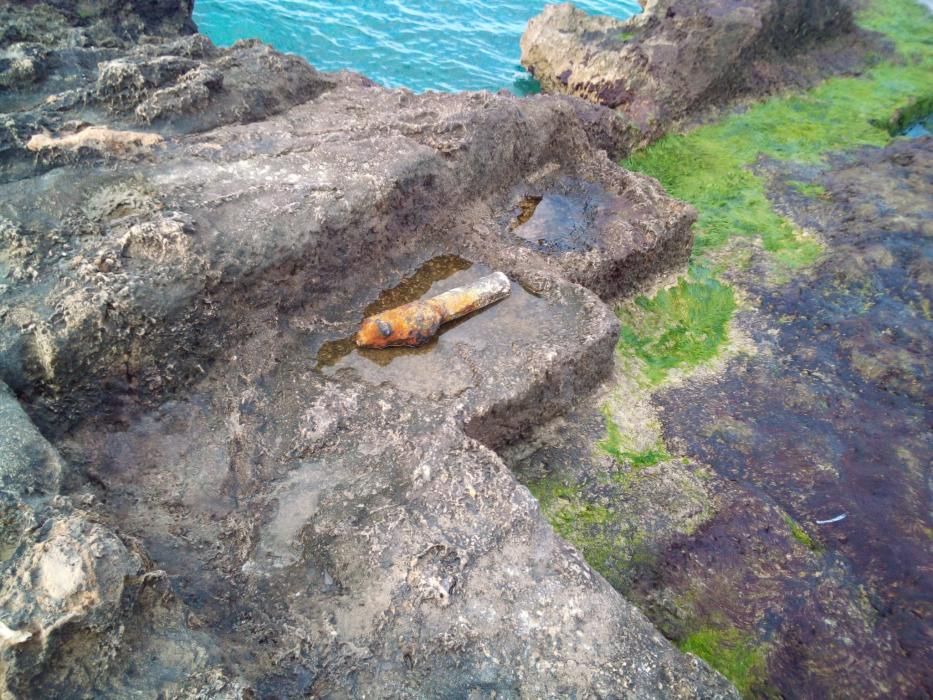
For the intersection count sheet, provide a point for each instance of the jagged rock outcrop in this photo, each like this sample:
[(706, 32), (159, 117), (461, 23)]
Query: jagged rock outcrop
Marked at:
[(676, 56), (80, 605), (61, 598), (65, 81), (120, 20), (251, 508)]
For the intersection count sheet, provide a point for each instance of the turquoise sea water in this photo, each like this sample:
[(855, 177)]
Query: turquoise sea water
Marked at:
[(420, 44)]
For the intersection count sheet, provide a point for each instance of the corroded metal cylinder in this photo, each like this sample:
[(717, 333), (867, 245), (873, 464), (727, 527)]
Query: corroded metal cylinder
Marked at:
[(416, 323)]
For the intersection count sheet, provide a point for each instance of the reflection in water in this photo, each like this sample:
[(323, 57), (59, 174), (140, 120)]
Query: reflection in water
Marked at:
[(920, 128), (333, 351), (526, 209), (415, 286)]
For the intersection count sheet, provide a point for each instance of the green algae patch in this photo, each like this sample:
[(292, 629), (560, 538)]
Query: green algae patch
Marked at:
[(678, 328), (801, 535), (709, 166), (610, 542), (731, 652), (808, 189), (577, 520), (907, 23), (704, 169), (619, 447)]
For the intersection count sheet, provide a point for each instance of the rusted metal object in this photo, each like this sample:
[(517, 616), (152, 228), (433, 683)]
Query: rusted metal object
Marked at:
[(416, 323)]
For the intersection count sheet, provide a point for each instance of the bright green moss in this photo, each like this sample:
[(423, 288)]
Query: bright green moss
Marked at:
[(704, 169), (566, 508), (709, 166), (680, 327), (618, 446), (905, 22), (646, 458), (799, 534), (808, 189), (732, 653)]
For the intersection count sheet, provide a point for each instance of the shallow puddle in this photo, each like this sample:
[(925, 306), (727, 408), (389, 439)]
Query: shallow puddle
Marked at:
[(453, 361), (413, 287), (526, 209), (570, 216)]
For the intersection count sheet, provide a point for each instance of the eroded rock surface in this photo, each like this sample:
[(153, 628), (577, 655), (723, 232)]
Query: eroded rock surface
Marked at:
[(191, 234), (144, 244), (678, 55)]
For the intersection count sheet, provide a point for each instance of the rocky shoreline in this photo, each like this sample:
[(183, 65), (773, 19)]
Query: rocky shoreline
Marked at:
[(679, 58), (739, 495), (206, 492)]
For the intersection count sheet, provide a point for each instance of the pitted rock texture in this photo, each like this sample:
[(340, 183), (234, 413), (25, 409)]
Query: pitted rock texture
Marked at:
[(134, 254), (61, 78), (28, 464), (677, 56), (369, 544), (188, 229), (84, 611), (104, 22)]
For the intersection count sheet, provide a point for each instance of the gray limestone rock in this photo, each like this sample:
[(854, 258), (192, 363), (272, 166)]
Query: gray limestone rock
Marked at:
[(80, 611), (191, 236), (29, 465)]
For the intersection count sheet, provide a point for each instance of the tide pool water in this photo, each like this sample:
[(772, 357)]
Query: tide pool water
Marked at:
[(443, 45)]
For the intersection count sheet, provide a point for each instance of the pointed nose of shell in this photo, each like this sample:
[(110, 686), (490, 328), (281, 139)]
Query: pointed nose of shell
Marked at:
[(373, 331)]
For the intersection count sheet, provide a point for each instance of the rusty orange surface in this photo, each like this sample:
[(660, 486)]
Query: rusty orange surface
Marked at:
[(416, 323)]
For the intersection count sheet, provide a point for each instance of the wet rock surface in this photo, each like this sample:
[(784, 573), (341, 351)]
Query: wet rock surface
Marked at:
[(679, 56), (609, 239), (529, 381), (210, 509), (778, 500), (834, 419)]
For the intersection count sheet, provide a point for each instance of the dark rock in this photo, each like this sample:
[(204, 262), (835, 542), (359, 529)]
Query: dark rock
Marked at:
[(29, 465), (195, 86), (80, 608), (129, 19), (676, 56), (184, 85)]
